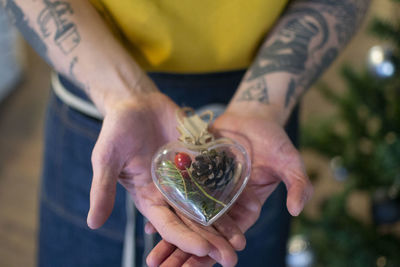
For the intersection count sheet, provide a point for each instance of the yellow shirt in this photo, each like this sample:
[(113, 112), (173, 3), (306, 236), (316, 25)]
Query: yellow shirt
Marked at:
[(188, 36)]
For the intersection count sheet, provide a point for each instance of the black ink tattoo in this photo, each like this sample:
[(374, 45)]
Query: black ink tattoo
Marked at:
[(66, 35), (345, 13), (290, 92), (316, 71), (304, 32), (72, 76), (348, 15), (22, 23), (72, 65), (256, 92), (289, 52)]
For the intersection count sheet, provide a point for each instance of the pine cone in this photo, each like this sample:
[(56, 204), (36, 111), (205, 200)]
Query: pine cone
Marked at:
[(213, 169)]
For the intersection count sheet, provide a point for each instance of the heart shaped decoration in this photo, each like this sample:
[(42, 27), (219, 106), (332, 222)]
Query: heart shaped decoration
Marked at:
[(201, 179)]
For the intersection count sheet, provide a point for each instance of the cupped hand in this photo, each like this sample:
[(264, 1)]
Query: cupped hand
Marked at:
[(131, 133), (274, 159)]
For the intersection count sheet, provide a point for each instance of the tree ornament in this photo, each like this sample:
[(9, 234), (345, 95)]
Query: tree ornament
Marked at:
[(340, 173), (380, 62), (300, 253), (200, 176)]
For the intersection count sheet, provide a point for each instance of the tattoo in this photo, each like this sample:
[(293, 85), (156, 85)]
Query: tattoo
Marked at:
[(256, 92), (348, 15), (72, 74), (316, 71), (289, 52), (22, 23), (66, 35), (72, 65), (310, 29), (290, 92)]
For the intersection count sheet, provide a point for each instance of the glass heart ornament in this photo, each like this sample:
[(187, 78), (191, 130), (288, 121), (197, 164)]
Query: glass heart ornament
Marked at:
[(200, 176)]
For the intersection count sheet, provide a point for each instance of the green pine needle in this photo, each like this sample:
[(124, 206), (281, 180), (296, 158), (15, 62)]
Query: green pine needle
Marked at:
[(194, 192), (172, 176)]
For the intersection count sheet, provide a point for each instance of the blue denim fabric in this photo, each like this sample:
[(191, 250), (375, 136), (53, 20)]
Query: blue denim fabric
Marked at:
[(65, 239)]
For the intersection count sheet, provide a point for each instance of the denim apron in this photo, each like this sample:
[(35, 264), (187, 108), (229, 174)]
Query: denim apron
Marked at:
[(64, 237)]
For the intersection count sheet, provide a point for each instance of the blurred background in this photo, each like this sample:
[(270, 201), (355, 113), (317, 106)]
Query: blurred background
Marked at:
[(350, 121)]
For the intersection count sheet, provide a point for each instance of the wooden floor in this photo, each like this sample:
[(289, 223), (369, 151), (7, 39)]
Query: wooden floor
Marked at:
[(21, 121)]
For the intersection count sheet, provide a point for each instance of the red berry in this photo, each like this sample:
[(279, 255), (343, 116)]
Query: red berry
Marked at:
[(182, 161)]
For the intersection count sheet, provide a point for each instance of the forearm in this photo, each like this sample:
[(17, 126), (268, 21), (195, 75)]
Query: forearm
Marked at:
[(303, 44), (72, 37)]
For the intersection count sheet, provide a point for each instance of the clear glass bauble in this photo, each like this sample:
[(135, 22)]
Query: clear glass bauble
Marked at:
[(208, 183)]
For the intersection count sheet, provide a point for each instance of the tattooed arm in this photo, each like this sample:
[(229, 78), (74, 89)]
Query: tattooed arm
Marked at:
[(72, 37), (304, 43)]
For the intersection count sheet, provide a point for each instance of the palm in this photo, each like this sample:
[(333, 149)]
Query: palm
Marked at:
[(137, 142), (274, 159), (123, 152)]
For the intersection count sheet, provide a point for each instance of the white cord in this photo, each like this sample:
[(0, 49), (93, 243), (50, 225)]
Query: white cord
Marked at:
[(128, 253), (72, 100)]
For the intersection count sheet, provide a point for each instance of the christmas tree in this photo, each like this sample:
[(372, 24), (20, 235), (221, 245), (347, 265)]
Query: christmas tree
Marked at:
[(362, 139)]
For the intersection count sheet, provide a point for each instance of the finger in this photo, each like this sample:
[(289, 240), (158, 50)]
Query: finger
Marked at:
[(298, 185), (160, 253), (177, 258), (224, 225), (222, 251), (229, 229), (173, 230), (195, 261), (246, 210), (149, 228), (300, 192), (166, 255), (103, 188)]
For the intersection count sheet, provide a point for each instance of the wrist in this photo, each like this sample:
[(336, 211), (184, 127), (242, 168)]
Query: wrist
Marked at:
[(111, 79), (121, 89), (257, 99)]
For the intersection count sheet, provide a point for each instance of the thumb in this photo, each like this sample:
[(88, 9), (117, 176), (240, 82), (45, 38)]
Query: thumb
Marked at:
[(299, 187), (299, 193), (106, 169)]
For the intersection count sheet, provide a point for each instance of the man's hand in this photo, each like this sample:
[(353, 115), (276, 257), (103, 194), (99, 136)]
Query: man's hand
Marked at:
[(274, 159), (244, 213), (132, 132)]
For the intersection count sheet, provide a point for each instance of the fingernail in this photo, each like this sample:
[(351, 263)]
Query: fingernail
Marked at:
[(298, 209), (89, 220)]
